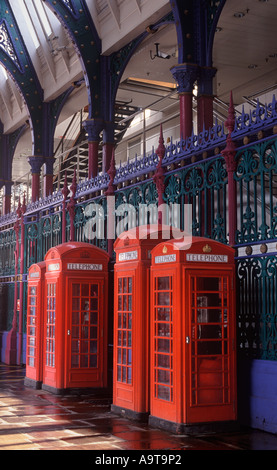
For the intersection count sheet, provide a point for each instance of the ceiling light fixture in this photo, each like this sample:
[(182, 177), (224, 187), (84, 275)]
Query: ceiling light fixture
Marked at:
[(161, 55), (239, 14), (252, 66)]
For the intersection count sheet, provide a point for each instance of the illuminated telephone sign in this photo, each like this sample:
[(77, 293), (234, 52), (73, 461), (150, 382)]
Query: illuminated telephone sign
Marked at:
[(76, 317), (34, 333), (131, 319), (192, 334)]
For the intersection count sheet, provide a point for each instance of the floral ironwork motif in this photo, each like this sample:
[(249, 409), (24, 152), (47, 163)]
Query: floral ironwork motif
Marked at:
[(7, 45)]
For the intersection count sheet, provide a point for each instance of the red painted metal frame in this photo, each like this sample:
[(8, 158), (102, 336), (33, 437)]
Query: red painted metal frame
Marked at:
[(64, 267), (133, 260), (197, 261), (35, 321)]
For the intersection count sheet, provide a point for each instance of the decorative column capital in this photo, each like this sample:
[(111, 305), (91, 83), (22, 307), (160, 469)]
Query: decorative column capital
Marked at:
[(36, 163), (93, 127), (185, 75)]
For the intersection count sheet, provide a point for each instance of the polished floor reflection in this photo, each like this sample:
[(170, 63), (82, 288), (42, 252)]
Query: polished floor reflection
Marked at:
[(37, 420)]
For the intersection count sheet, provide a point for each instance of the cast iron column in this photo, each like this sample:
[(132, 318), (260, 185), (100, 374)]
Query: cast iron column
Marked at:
[(205, 98), (229, 153), (185, 76), (36, 164), (93, 127)]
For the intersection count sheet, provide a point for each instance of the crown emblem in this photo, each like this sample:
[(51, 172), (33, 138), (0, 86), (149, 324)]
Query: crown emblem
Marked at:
[(164, 249), (207, 249)]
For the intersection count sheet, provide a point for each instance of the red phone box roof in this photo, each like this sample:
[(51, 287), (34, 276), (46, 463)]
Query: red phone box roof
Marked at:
[(193, 250), (136, 243), (37, 270), (76, 256)]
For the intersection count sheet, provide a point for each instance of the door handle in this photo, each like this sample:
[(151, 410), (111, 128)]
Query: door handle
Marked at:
[(187, 339), (68, 332)]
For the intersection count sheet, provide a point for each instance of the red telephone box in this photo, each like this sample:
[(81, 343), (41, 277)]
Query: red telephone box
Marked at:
[(76, 318), (34, 335), (193, 352), (131, 319)]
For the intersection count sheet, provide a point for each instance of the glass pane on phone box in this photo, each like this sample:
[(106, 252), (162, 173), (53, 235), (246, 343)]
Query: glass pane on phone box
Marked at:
[(75, 332), (93, 318), (93, 347), (74, 361), (164, 376), (163, 283), (163, 329), (94, 290), (163, 361), (75, 304), (208, 283), (163, 298), (76, 290), (85, 290), (163, 314), (75, 346), (93, 332), (94, 304), (164, 345), (84, 347), (75, 318), (163, 393)]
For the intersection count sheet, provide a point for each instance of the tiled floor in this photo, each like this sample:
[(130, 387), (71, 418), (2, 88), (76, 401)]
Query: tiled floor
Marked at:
[(37, 420)]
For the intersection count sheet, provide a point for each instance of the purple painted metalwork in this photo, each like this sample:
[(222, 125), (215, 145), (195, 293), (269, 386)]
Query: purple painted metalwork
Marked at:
[(110, 192), (71, 206), (159, 176), (65, 193)]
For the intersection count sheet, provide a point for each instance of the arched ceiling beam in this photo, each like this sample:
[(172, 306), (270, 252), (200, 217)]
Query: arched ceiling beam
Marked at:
[(196, 22), (16, 60), (75, 17)]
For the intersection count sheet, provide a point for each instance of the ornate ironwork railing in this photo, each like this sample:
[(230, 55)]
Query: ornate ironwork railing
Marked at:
[(195, 173)]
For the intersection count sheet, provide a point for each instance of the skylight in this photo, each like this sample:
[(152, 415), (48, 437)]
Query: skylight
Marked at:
[(43, 17), (30, 24)]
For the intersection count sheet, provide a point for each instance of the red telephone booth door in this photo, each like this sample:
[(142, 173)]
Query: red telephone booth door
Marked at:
[(86, 354), (165, 348), (35, 313), (210, 347)]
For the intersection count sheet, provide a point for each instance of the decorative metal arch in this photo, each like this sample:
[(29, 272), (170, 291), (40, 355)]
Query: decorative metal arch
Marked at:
[(76, 18), (16, 60)]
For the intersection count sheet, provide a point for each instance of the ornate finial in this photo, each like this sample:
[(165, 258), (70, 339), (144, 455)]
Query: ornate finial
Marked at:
[(230, 122), (65, 190), (111, 172), (73, 186), (24, 204), (159, 174), (161, 148), (19, 210)]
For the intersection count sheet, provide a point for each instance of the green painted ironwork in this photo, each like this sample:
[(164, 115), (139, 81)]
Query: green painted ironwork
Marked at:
[(203, 185), (257, 188)]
